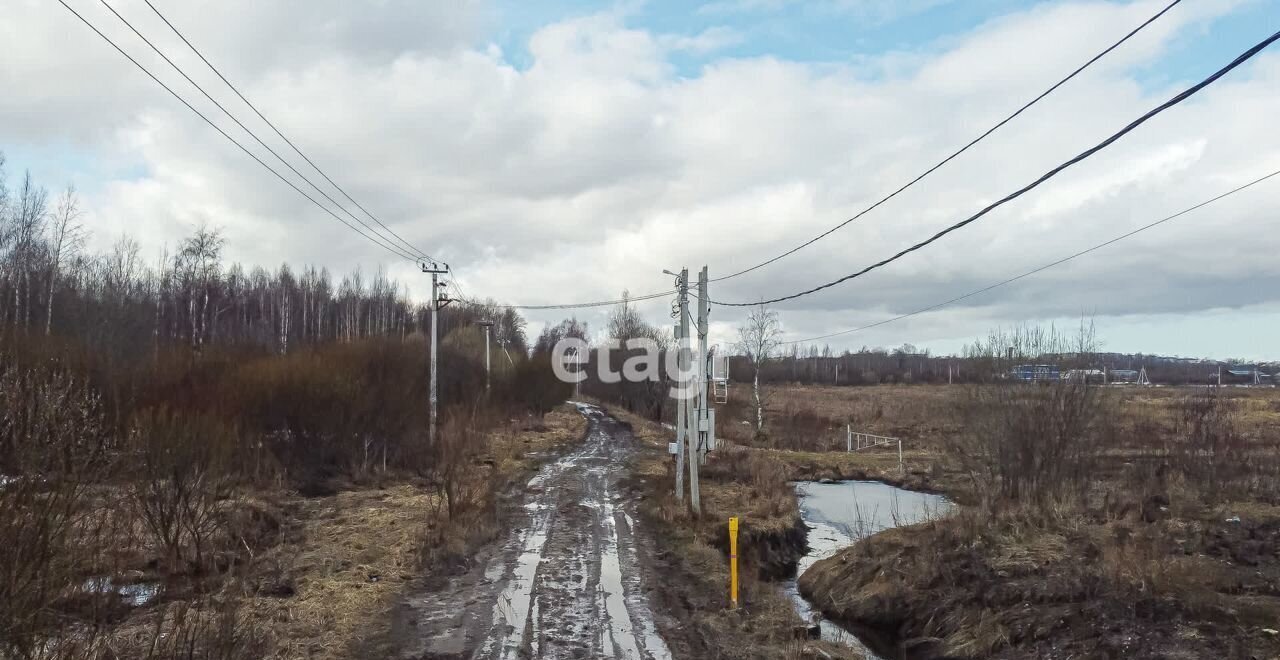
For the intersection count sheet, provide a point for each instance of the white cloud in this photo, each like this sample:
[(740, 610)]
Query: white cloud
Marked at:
[(599, 164), (875, 12)]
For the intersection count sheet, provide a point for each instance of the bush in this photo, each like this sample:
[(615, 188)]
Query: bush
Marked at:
[(1207, 447), (1034, 442), (54, 450), (181, 464)]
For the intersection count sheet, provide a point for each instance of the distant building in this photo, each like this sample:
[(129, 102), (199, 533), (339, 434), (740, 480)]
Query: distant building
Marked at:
[(1128, 377), (1124, 375), (1246, 375), (1036, 372), (1085, 375)]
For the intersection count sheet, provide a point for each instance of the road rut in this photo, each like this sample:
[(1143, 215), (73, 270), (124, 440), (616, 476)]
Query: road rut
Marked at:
[(566, 582)]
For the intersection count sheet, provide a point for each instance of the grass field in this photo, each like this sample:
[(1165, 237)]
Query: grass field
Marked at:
[(1171, 548)]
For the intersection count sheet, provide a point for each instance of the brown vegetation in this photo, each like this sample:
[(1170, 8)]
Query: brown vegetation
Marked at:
[(693, 553), (1154, 536)]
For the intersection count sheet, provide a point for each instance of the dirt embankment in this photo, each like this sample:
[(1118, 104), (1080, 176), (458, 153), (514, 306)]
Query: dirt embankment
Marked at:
[(969, 588), (1174, 553), (693, 555)]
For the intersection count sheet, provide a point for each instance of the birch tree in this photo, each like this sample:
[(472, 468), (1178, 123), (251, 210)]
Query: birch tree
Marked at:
[(66, 237), (758, 338)]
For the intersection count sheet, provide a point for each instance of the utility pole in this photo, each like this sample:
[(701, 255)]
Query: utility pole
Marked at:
[(682, 420), (691, 425), (487, 325), (703, 414), (687, 414), (437, 301)]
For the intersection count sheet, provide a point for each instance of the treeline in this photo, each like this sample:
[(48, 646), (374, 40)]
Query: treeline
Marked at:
[(123, 304), (188, 331), (650, 396), (144, 406), (908, 364)]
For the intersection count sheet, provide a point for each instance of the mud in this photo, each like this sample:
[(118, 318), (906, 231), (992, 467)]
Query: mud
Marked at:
[(567, 581)]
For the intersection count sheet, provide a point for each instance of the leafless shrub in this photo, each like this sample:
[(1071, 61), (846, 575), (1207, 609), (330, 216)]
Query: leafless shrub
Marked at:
[(1206, 446), (1033, 442), (457, 476), (181, 476), (53, 452)]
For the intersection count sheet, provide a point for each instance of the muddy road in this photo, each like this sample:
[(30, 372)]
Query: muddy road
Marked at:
[(568, 580)]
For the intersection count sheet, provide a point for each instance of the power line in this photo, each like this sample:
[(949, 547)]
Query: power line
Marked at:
[(1047, 266), (1186, 94), (929, 171), (581, 305), (219, 129), (414, 251), (282, 136), (390, 248), (963, 149)]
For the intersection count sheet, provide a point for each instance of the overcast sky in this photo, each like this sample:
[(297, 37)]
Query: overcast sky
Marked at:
[(563, 151)]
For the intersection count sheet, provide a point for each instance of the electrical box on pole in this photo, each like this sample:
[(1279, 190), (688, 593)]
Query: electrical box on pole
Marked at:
[(720, 378)]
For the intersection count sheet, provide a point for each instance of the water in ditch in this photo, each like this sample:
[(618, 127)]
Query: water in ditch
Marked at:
[(841, 512)]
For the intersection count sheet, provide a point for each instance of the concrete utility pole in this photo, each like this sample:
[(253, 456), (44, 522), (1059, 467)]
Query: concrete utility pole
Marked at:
[(687, 413), (437, 302), (682, 420), (703, 415), (487, 325), (692, 434)]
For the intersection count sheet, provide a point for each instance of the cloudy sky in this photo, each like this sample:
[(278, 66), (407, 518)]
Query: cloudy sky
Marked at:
[(563, 151)]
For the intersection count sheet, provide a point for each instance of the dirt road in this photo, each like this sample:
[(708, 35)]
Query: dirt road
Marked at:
[(567, 582)]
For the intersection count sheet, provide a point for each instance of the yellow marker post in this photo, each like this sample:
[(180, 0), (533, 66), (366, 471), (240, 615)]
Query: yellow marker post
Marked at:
[(733, 563)]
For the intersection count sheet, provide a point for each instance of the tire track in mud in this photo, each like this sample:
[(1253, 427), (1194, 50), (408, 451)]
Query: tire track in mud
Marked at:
[(565, 583)]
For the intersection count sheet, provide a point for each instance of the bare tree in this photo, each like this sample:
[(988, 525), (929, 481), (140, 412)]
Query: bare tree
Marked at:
[(198, 264), (758, 338), (66, 238), (27, 218)]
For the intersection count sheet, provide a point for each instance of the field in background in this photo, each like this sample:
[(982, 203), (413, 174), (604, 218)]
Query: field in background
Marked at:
[(813, 417), (1168, 544)]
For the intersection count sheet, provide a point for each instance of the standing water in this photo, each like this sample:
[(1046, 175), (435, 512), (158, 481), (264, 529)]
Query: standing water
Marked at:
[(840, 513)]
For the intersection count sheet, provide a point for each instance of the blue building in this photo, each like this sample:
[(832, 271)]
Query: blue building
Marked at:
[(1036, 372)]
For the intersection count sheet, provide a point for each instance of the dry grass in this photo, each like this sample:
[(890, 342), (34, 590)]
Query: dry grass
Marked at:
[(1155, 562), (923, 414), (321, 585), (735, 482), (359, 548), (354, 553)]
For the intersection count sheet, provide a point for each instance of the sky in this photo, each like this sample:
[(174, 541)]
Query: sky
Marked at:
[(565, 151)]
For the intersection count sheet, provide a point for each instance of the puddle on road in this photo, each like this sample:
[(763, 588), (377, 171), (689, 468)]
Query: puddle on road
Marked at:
[(515, 603), (630, 631), (617, 607), (840, 513)]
